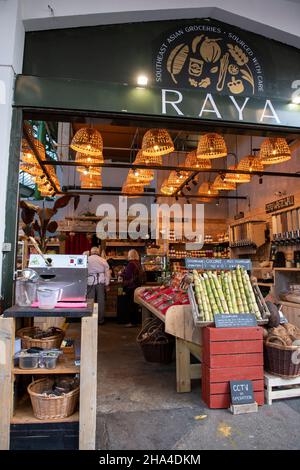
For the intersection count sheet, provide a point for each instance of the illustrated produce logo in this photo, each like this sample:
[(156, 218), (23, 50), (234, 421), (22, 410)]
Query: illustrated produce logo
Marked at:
[(215, 61)]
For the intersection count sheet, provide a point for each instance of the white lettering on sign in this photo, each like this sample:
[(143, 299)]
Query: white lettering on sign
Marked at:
[(239, 109), (241, 387), (269, 116), (172, 103), (213, 104), (2, 92)]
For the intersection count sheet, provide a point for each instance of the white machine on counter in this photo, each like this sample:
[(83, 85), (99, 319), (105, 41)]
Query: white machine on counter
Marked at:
[(67, 272)]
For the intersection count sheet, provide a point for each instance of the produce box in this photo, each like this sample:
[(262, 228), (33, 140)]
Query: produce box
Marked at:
[(215, 384), (231, 354)]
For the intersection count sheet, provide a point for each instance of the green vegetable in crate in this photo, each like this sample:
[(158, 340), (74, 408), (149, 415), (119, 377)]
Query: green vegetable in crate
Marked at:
[(215, 291), (210, 295), (239, 279), (249, 292), (226, 289), (232, 294), (208, 312), (217, 282), (240, 305)]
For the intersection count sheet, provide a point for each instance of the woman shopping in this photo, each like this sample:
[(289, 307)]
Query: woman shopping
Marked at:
[(133, 277)]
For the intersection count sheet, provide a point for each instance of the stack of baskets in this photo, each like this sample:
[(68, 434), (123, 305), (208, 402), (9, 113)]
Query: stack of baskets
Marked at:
[(282, 351), (156, 345)]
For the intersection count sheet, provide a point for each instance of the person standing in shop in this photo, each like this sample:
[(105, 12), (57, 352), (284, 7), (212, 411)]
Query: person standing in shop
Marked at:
[(133, 277), (98, 280)]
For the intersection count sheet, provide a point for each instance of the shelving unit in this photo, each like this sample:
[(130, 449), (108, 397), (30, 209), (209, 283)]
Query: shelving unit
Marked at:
[(20, 412), (283, 278)]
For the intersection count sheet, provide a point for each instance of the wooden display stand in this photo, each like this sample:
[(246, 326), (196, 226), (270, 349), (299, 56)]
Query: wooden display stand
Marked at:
[(23, 414), (179, 323)]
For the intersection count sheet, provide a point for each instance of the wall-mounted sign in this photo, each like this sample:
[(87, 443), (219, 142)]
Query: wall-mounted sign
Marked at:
[(199, 69), (216, 264), (241, 392), (235, 320), (280, 204)]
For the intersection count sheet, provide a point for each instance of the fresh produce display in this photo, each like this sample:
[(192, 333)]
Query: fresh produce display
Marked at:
[(164, 297), (227, 292)]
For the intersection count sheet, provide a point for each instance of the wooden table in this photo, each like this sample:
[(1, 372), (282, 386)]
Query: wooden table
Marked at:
[(179, 323), (88, 372)]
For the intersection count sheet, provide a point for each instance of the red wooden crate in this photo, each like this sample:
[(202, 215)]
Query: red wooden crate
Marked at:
[(215, 384), (223, 400), (229, 347)]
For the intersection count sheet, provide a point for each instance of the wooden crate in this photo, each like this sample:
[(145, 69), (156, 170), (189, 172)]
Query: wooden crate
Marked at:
[(231, 354), (277, 388), (215, 384), (230, 347)]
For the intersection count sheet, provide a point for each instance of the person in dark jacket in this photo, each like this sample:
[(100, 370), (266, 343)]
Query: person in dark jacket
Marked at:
[(132, 278)]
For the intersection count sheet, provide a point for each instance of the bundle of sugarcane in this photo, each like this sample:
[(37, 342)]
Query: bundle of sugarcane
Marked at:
[(229, 292)]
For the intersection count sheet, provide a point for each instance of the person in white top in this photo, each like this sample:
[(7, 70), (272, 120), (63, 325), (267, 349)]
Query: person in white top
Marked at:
[(98, 280)]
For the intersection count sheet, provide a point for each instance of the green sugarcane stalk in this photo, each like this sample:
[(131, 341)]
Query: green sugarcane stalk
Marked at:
[(241, 289), (234, 293), (241, 308), (210, 295), (210, 316), (221, 295), (249, 288), (215, 291), (227, 294)]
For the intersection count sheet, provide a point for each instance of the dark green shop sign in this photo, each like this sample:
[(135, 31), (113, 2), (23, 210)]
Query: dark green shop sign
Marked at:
[(199, 69)]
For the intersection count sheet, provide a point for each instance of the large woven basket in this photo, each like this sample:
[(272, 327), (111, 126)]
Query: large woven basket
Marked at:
[(44, 343), (280, 359), (156, 345), (45, 407)]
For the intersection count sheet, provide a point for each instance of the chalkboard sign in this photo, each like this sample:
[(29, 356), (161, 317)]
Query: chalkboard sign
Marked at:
[(241, 392), (216, 263), (234, 320)]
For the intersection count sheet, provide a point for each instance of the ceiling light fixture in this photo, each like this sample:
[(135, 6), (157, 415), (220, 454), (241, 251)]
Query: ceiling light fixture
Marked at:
[(157, 142), (142, 80)]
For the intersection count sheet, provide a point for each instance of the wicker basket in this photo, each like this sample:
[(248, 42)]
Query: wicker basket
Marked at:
[(279, 358), (44, 343), (45, 407), (156, 345), (151, 328)]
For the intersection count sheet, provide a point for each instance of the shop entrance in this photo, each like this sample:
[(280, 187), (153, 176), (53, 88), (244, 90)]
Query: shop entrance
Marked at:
[(74, 226)]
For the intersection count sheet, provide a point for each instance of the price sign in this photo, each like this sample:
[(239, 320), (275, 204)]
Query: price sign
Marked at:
[(235, 320), (216, 264)]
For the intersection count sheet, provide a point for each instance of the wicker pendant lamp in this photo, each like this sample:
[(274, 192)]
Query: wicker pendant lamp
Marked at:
[(207, 189), (251, 163), (157, 142), (47, 192), (236, 177), (89, 170), (167, 189), (176, 178), (142, 174), (274, 150), (88, 141), (132, 189), (211, 145), (27, 154), (191, 161), (90, 181), (221, 185), (32, 170)]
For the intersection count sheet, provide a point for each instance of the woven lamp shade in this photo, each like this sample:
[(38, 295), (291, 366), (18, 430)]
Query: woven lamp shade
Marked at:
[(206, 189), (88, 141), (27, 154), (142, 174), (87, 160), (90, 181), (251, 163), (274, 150), (90, 170), (157, 142), (191, 161), (167, 189), (211, 145), (46, 191), (236, 177), (220, 185), (176, 179), (132, 189)]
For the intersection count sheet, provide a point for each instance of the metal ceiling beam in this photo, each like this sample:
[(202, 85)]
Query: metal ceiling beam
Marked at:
[(128, 166)]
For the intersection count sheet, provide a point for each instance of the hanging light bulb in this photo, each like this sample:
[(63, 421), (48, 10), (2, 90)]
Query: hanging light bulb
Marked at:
[(88, 141), (157, 142), (211, 145), (274, 150)]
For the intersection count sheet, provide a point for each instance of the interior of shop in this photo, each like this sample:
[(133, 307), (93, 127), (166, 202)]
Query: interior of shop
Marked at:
[(70, 167)]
